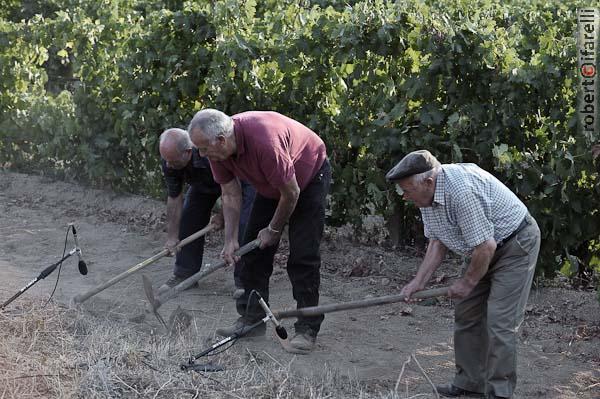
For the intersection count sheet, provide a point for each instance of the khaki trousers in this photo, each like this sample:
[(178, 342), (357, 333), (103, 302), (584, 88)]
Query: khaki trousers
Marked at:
[(486, 322)]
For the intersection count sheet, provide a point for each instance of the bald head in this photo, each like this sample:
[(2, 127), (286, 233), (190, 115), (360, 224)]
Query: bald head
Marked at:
[(175, 147)]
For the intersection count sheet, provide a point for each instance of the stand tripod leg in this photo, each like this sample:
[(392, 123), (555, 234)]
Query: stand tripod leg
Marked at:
[(210, 367), (21, 291), (42, 276)]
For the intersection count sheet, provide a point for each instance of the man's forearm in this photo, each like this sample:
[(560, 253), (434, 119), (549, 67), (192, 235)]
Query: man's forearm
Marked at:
[(436, 251), (282, 214), (174, 209), (480, 262), (231, 214), (218, 206)]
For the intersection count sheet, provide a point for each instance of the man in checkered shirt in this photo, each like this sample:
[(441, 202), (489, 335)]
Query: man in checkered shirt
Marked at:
[(469, 211)]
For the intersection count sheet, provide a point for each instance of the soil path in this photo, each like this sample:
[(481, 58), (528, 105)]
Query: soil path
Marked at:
[(560, 339)]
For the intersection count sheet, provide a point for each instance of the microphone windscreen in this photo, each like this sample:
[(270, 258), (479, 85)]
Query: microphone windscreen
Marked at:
[(82, 267), (281, 332)]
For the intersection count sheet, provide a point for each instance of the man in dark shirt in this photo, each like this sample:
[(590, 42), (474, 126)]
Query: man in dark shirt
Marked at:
[(181, 163), (287, 164)]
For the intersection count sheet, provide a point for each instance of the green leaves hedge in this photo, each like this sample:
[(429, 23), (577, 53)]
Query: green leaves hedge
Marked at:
[(87, 86)]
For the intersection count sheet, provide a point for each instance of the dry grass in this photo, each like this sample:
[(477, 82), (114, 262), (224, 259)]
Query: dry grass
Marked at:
[(57, 352)]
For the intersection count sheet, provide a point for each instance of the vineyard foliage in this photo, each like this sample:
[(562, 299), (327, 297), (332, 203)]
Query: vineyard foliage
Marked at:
[(86, 87)]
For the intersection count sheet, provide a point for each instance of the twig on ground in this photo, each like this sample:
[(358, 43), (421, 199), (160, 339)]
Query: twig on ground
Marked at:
[(282, 385), (31, 376), (232, 394), (272, 358), (161, 387), (149, 365), (126, 384), (400, 375), (437, 395), (206, 376), (592, 386), (257, 365), (408, 360)]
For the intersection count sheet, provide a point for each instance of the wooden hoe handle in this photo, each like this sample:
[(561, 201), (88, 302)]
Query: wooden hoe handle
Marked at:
[(364, 303), (86, 295)]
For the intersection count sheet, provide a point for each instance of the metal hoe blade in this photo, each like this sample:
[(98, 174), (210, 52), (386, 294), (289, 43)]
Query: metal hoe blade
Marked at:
[(151, 298), (157, 302)]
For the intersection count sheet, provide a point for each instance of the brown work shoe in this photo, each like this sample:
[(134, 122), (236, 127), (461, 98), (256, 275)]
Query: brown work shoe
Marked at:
[(242, 327), (452, 391), (303, 342)]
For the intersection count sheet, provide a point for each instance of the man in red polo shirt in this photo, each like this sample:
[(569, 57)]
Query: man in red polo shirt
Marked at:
[(287, 164)]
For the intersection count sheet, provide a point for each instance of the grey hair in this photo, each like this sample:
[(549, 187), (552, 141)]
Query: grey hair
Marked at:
[(421, 177), (179, 137), (212, 123)]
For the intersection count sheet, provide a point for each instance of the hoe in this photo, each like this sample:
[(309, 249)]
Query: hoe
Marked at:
[(157, 301), (86, 295)]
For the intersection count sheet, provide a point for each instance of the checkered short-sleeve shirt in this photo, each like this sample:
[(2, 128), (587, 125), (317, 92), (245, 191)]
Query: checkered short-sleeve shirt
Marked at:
[(469, 207)]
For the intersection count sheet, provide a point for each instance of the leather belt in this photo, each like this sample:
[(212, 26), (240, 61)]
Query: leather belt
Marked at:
[(524, 223)]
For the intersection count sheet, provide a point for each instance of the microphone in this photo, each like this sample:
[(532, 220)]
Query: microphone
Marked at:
[(279, 329), (81, 264)]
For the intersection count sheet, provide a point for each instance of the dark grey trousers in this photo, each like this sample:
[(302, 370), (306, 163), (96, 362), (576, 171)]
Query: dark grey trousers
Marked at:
[(486, 322)]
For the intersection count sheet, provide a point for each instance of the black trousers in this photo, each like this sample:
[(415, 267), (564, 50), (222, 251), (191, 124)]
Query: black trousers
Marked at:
[(195, 215), (304, 262), (248, 194)]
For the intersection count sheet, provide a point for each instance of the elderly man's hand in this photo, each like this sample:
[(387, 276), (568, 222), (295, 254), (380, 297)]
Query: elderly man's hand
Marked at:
[(171, 246), (228, 252), (461, 288), (410, 289), (268, 237)]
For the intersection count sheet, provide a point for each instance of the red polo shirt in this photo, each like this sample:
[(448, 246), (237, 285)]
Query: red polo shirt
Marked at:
[(271, 148)]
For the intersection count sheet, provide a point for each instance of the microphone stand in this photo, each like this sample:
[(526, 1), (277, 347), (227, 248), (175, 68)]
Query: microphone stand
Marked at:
[(279, 329), (45, 273), (191, 365)]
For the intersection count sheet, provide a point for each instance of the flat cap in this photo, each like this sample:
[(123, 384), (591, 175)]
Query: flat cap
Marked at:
[(413, 163)]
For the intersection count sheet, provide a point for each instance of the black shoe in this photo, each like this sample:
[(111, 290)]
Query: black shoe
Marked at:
[(451, 391), (242, 327)]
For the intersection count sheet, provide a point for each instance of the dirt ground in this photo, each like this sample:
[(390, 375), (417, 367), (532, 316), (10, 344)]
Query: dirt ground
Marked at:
[(559, 351)]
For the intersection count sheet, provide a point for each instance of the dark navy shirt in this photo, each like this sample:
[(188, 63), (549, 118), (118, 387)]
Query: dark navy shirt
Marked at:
[(197, 174)]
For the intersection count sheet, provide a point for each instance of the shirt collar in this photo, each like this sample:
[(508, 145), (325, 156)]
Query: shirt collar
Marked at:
[(439, 197), (195, 155), (191, 162)]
